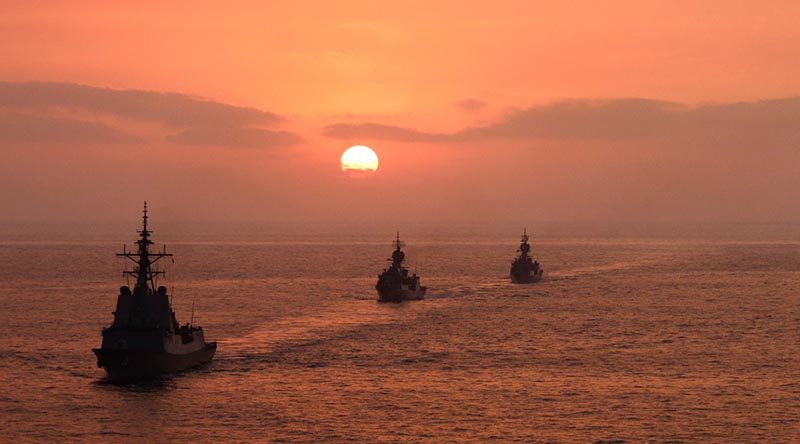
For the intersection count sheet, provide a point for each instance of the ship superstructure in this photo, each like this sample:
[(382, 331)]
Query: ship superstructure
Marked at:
[(145, 339), (395, 284), (524, 269)]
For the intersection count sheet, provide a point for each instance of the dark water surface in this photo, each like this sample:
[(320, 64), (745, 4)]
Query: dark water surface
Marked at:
[(635, 340)]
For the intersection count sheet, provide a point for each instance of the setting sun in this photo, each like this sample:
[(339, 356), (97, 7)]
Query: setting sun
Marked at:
[(359, 158)]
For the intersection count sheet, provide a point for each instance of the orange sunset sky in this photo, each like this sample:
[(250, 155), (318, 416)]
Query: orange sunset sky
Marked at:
[(482, 111)]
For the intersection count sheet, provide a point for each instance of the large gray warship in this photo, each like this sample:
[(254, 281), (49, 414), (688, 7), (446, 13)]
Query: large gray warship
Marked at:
[(145, 339), (395, 284), (525, 270)]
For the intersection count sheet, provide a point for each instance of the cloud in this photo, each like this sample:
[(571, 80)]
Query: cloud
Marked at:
[(378, 131), (191, 120), (613, 119), (471, 104), (26, 128), (620, 119), (241, 137)]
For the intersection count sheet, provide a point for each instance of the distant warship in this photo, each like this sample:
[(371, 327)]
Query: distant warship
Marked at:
[(525, 270), (394, 284), (145, 339)]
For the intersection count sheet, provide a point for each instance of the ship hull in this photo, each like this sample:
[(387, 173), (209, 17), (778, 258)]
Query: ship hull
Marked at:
[(526, 278), (133, 365), (399, 295)]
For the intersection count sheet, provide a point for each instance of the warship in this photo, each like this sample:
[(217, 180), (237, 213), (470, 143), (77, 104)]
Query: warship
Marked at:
[(525, 270), (394, 284), (145, 339)]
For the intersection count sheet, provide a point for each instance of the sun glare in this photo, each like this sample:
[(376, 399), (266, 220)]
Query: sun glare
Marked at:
[(359, 158)]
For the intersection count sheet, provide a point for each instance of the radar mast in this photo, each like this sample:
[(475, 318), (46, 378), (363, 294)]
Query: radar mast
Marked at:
[(146, 277)]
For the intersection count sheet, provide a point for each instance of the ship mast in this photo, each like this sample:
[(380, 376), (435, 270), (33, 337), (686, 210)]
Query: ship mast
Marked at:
[(143, 271), (397, 254), (524, 247)]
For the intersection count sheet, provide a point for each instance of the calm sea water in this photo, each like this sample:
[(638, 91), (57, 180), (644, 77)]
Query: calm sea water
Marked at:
[(626, 340)]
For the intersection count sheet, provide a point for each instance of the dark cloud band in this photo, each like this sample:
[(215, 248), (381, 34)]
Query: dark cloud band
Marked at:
[(622, 119), (49, 112)]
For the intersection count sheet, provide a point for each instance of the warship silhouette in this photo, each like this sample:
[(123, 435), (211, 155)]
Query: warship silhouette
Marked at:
[(394, 284), (525, 270), (145, 339)]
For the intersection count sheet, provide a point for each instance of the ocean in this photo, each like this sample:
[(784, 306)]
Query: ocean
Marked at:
[(666, 338)]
